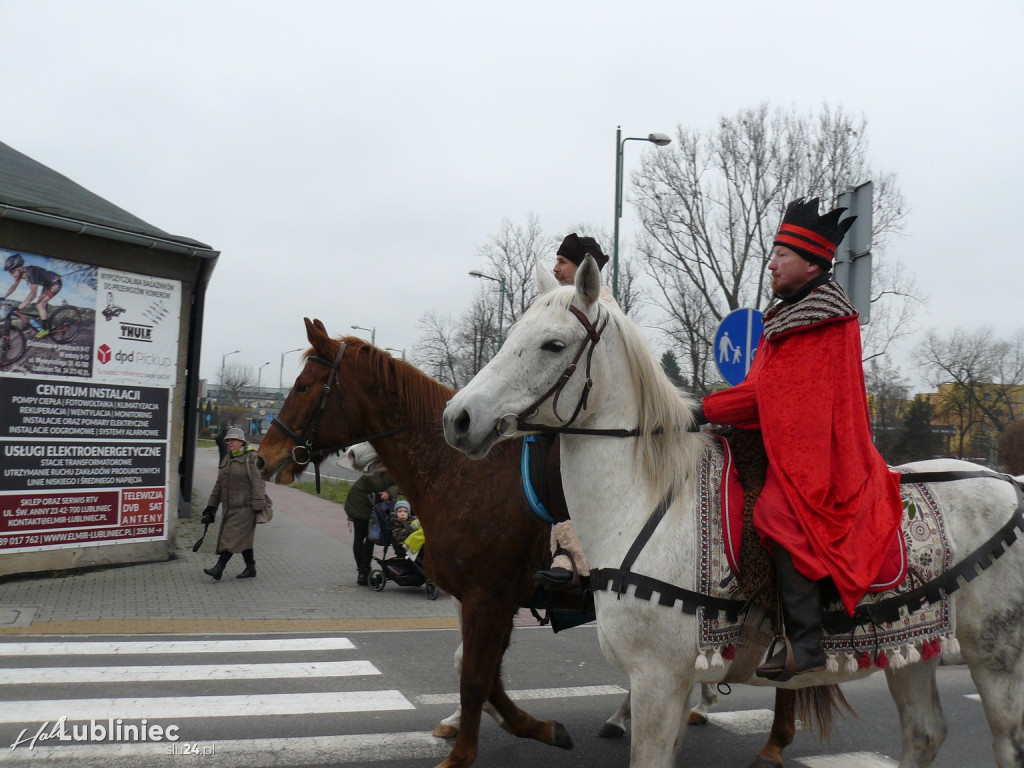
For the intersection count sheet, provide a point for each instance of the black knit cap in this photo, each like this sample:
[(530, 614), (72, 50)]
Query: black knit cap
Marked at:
[(576, 248), (812, 236)]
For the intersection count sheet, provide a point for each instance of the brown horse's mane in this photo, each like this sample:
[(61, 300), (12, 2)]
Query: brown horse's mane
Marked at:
[(423, 396)]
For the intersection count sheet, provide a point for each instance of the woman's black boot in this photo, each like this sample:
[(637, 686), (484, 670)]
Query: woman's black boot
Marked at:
[(250, 565), (218, 570)]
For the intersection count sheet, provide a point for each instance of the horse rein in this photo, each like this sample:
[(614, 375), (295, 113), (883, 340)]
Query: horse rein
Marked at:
[(304, 446), (508, 425)]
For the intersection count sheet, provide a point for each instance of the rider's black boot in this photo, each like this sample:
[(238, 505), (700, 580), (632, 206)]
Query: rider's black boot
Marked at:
[(801, 609)]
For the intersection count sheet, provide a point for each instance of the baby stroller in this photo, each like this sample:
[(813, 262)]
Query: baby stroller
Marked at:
[(405, 567)]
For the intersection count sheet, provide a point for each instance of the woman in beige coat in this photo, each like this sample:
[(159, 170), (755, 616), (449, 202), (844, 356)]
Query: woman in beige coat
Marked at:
[(241, 491)]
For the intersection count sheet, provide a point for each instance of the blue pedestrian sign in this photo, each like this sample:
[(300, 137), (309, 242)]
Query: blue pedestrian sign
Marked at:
[(736, 342)]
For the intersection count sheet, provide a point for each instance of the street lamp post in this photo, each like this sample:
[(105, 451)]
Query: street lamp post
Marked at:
[(280, 378), (392, 349), (659, 139), (220, 391), (259, 381), (373, 333), (501, 298)]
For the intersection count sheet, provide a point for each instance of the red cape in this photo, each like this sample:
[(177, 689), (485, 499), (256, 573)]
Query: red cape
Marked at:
[(805, 392)]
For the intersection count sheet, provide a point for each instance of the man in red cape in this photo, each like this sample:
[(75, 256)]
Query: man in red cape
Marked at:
[(830, 506)]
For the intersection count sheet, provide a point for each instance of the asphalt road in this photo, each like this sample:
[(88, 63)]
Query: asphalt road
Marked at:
[(372, 698)]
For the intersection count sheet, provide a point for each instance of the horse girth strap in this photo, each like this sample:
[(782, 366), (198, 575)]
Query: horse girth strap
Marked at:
[(587, 346)]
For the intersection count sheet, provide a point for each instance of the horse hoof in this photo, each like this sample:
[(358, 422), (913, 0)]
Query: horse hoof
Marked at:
[(609, 731), (696, 718), (445, 731), (562, 738)]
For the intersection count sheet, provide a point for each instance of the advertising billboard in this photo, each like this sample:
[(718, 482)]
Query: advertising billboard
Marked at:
[(85, 403)]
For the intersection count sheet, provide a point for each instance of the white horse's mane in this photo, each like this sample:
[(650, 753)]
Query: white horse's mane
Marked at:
[(667, 453)]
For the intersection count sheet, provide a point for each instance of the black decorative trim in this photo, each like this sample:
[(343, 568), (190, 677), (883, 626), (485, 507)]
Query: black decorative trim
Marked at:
[(618, 580)]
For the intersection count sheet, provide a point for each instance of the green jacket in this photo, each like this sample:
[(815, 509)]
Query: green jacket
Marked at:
[(358, 505)]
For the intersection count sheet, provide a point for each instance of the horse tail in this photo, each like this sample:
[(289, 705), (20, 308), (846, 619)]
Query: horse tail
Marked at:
[(818, 706)]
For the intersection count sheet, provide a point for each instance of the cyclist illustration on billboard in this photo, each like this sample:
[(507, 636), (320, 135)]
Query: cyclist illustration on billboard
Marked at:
[(62, 326), (37, 278)]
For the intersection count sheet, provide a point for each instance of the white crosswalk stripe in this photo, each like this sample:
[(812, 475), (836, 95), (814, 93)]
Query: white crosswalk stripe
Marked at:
[(162, 647), (357, 750), (165, 673), (177, 707)]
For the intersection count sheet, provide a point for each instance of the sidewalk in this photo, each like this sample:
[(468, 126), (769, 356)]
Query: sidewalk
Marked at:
[(306, 582)]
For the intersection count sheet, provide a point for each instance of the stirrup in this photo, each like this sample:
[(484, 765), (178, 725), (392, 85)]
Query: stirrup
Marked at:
[(547, 578), (788, 669)]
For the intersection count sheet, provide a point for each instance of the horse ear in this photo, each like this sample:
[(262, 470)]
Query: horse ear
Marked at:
[(315, 331), (545, 280), (588, 282)]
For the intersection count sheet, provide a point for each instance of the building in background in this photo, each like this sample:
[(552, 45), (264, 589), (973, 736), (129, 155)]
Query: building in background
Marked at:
[(98, 412)]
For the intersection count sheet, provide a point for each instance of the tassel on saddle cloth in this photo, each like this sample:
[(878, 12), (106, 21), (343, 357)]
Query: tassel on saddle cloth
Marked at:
[(928, 555)]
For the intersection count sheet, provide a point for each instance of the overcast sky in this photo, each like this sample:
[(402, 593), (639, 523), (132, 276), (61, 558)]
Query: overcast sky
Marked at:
[(348, 159)]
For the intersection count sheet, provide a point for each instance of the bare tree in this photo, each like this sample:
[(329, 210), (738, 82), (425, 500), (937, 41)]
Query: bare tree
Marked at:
[(512, 254), (979, 378), (709, 205), (453, 351), (1011, 448), (237, 380), (887, 395), (437, 351)]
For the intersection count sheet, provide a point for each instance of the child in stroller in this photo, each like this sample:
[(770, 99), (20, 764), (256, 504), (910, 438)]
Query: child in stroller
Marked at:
[(394, 526)]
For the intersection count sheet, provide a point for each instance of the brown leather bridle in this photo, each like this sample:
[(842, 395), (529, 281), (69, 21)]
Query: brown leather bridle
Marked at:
[(512, 423), (303, 452)]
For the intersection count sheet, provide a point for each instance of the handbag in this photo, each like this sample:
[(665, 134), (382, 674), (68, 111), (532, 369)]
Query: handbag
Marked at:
[(266, 514)]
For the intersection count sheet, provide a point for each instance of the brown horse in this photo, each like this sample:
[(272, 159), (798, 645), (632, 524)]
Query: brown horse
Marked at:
[(486, 561), (349, 392)]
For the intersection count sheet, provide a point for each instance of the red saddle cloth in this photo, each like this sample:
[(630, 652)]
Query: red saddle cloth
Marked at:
[(890, 575)]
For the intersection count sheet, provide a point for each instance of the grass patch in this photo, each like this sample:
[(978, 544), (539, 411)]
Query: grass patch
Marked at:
[(332, 490)]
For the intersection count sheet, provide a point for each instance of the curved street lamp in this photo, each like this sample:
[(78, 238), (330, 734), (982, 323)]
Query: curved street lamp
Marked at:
[(501, 298), (280, 378), (259, 381), (396, 351), (373, 333), (658, 139)]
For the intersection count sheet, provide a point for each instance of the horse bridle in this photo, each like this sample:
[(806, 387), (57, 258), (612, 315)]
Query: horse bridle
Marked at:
[(508, 425), (303, 452)]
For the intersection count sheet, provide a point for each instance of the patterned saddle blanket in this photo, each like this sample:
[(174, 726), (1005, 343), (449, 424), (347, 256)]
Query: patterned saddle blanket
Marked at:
[(923, 552)]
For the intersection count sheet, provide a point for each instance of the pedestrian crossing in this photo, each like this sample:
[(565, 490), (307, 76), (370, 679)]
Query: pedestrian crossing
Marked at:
[(134, 703)]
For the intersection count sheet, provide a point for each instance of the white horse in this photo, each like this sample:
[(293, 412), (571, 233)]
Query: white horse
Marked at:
[(612, 486), (363, 457)]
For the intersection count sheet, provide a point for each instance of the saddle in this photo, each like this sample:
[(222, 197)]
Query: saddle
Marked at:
[(742, 480)]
